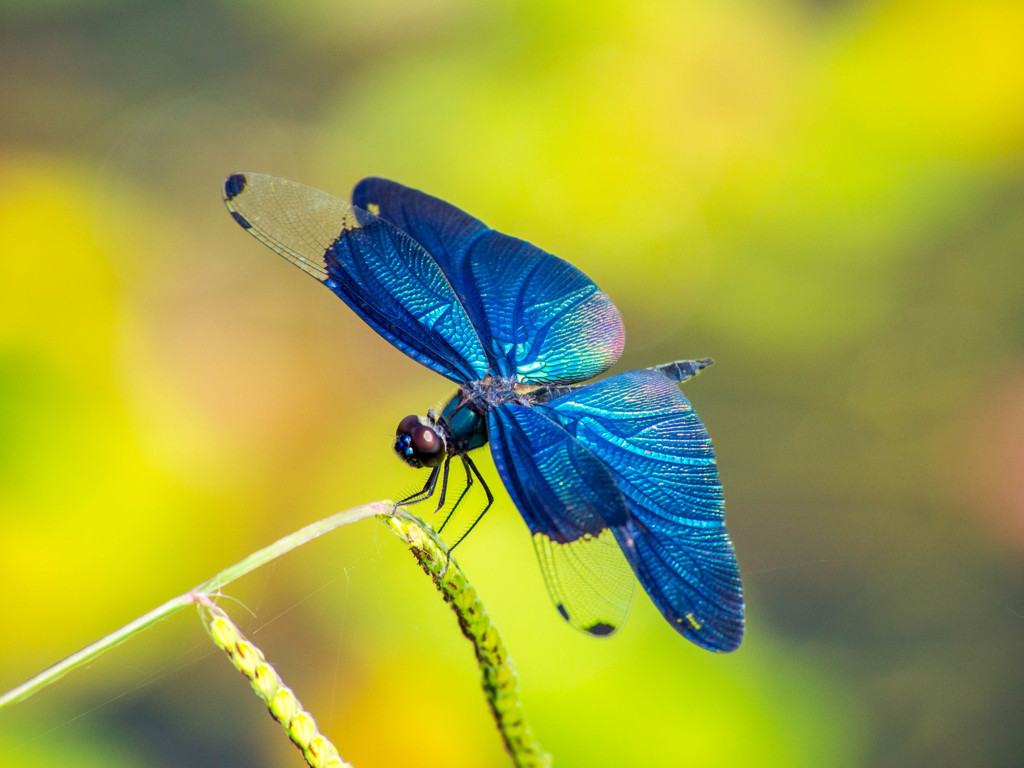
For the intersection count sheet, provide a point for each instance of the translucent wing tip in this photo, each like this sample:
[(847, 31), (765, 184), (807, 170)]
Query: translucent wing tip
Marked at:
[(589, 580), (297, 221), (597, 628)]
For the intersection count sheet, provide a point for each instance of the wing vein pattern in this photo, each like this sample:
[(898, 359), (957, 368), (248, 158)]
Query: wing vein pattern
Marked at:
[(542, 320), (644, 430), (572, 507), (382, 273)]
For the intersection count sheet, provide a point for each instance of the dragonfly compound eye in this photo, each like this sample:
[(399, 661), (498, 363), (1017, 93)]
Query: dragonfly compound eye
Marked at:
[(406, 425), (418, 444), (427, 445)]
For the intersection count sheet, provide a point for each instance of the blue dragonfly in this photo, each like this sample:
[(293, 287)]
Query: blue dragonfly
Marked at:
[(613, 478)]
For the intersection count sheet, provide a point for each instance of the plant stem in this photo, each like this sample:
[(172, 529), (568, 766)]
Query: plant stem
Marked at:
[(206, 589), (498, 675), (281, 701), (497, 671)]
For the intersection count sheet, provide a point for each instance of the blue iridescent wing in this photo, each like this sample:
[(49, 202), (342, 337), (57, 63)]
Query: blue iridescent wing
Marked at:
[(644, 430), (572, 507), (384, 275), (541, 319)]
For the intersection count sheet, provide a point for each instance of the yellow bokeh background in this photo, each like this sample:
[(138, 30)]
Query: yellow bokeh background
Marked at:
[(826, 197)]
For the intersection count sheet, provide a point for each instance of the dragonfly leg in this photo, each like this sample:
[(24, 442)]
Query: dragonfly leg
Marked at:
[(425, 492), (490, 500), (469, 482), (444, 484)]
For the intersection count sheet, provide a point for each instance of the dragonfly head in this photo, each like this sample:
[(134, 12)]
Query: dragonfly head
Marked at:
[(419, 443)]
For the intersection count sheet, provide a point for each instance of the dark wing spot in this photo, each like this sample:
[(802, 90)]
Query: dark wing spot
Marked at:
[(241, 220), (234, 186), (600, 629), (561, 610)]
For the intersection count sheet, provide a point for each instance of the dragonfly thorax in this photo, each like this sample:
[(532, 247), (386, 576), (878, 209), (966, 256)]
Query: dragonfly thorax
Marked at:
[(492, 391), (463, 420)]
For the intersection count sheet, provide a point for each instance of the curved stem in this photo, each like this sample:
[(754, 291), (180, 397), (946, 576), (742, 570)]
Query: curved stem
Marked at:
[(209, 587)]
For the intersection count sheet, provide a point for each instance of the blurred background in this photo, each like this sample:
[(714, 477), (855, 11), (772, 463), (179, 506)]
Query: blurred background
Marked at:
[(826, 197)]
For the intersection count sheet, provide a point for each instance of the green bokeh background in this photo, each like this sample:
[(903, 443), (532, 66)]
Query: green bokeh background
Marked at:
[(825, 196)]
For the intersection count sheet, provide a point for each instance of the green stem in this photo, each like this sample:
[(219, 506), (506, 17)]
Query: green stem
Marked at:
[(206, 589), (497, 671), (281, 701), (498, 675)]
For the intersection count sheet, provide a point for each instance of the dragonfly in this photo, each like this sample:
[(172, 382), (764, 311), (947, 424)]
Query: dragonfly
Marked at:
[(613, 478)]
